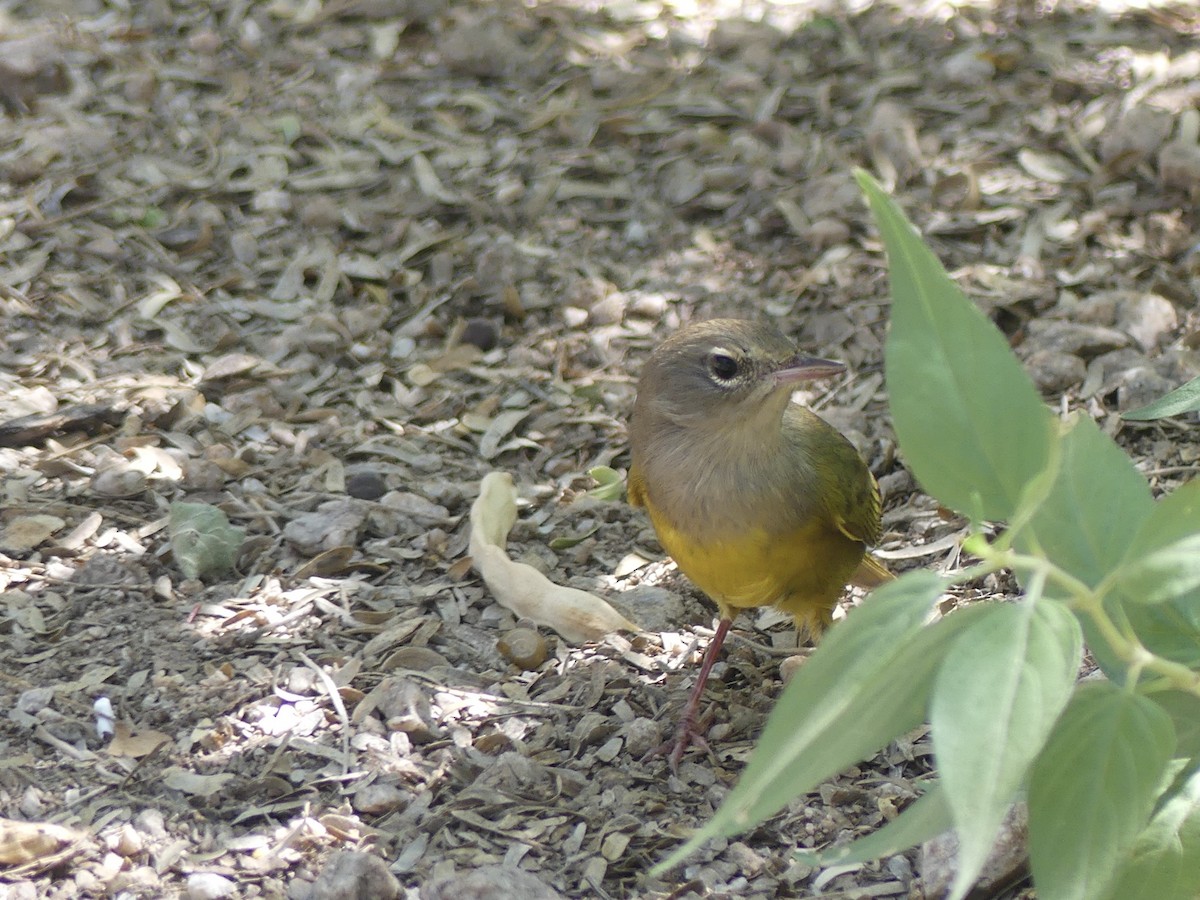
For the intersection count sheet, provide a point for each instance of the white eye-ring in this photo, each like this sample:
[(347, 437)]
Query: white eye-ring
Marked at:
[(723, 366)]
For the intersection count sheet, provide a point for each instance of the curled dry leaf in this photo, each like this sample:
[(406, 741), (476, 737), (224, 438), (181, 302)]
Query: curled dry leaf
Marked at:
[(26, 842), (577, 615)]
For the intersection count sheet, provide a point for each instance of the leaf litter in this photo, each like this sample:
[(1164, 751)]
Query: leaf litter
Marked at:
[(319, 268)]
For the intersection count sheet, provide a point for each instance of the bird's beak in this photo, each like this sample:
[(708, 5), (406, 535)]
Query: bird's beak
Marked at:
[(806, 368)]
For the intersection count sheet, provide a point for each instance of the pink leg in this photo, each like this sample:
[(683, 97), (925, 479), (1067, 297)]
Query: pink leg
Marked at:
[(687, 732)]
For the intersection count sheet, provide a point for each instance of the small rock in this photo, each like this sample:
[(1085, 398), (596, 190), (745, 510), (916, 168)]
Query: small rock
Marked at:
[(483, 49), (825, 233), (1098, 309), (790, 666), (380, 798), (489, 883), (34, 700), (209, 886), (366, 486), (654, 608), (152, 823), (938, 860), (969, 67), (350, 875), (1147, 318), (333, 524), (641, 736), (422, 511), (1085, 341), (320, 212), (1142, 385), (128, 841), (118, 481), (748, 860), (405, 707), (1179, 165), (1134, 138), (636, 233), (649, 305), (482, 333), (608, 310), (1055, 372)]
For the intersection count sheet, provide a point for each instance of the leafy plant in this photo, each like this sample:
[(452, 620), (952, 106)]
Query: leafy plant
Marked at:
[(1184, 399), (1110, 768), (203, 541)]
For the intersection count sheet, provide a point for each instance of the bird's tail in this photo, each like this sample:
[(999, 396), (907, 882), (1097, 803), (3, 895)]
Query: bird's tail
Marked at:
[(871, 573)]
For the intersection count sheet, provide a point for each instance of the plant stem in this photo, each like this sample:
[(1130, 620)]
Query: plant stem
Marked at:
[(1084, 599)]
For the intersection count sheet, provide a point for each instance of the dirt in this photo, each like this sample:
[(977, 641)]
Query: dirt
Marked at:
[(325, 265)]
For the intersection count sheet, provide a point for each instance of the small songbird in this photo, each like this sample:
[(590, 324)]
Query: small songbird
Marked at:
[(758, 500)]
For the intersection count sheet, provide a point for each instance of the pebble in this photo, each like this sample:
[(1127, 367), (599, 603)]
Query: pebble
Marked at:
[(1054, 371), (209, 886), (366, 486), (379, 798), (489, 883), (351, 874)]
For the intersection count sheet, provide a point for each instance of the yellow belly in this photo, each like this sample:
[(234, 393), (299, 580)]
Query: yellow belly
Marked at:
[(801, 571)]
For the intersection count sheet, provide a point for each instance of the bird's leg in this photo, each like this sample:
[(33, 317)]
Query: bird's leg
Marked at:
[(687, 733)]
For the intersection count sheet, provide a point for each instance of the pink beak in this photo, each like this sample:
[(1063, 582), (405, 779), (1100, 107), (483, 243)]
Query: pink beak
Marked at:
[(806, 368)]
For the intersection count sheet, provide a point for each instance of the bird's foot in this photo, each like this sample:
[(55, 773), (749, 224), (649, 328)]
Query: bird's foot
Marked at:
[(690, 733)]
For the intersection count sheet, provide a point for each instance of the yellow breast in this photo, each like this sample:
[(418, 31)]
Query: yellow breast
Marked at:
[(801, 570)]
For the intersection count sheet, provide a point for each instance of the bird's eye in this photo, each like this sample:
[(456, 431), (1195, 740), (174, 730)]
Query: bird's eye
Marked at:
[(723, 366)]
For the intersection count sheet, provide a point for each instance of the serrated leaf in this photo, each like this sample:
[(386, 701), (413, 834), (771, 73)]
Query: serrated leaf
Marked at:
[(1092, 789), (1184, 399), (203, 542), (866, 683), (924, 819), (997, 695), (1165, 862), (954, 382)]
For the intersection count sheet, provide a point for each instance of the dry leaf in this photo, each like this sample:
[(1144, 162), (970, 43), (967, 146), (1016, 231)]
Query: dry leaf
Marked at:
[(577, 615), (127, 742), (191, 783), (24, 533), (25, 842)]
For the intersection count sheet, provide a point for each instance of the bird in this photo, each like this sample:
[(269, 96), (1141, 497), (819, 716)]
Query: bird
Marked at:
[(759, 501)]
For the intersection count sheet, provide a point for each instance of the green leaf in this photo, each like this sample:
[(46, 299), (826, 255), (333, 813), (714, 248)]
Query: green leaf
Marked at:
[(567, 541), (1092, 789), (926, 818), (1163, 559), (203, 542), (973, 428), (609, 484), (866, 683), (1184, 710), (1165, 863), (1094, 508), (1168, 629), (1164, 574), (1185, 398), (999, 691)]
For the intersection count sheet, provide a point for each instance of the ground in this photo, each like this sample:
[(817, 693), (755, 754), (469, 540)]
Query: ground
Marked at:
[(325, 265)]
